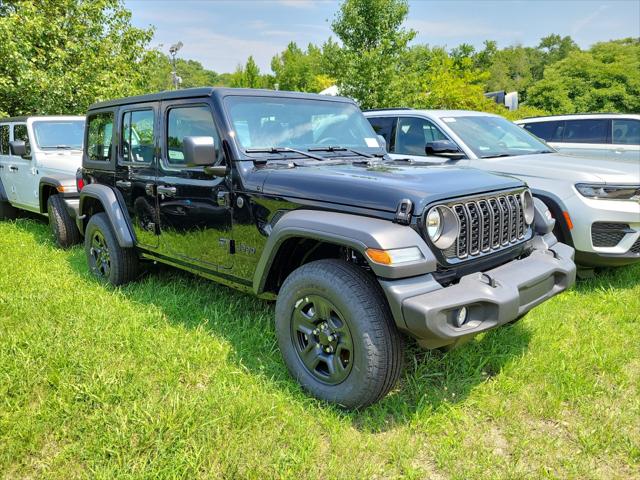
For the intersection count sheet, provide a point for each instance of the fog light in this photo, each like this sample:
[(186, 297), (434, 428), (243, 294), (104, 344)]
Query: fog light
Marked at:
[(461, 317)]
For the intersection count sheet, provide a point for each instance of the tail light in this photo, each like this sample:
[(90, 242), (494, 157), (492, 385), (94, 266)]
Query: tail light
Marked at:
[(79, 180)]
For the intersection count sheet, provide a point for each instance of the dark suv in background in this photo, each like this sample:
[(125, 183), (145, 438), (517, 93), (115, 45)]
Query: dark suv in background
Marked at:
[(291, 197)]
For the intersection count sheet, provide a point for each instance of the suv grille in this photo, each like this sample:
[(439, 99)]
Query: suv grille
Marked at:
[(635, 248), (488, 224)]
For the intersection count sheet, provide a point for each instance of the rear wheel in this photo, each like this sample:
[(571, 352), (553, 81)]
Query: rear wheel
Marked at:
[(7, 211), (336, 334), (62, 226), (107, 260)]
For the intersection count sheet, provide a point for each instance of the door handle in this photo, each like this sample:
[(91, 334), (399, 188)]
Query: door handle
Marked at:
[(13, 168), (123, 184), (166, 190)]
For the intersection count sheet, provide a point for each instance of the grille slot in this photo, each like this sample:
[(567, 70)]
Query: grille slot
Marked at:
[(488, 224), (605, 234), (635, 248)]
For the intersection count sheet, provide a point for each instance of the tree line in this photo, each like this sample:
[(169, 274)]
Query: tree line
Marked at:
[(59, 56)]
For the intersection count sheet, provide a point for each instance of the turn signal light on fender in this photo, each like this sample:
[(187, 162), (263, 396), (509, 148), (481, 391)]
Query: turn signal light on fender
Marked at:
[(379, 256), (395, 256), (568, 219)]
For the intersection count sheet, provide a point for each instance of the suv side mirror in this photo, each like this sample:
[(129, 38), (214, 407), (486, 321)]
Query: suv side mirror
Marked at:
[(18, 147), (444, 148), (199, 151), (382, 142)]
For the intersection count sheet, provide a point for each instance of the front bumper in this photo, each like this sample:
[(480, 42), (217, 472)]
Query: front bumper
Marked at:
[(426, 310)]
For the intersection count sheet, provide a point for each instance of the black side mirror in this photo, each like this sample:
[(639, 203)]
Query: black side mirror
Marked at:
[(18, 147), (199, 151), (443, 148)]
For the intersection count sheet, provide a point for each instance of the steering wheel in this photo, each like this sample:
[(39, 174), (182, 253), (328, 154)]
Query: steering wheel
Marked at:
[(329, 141)]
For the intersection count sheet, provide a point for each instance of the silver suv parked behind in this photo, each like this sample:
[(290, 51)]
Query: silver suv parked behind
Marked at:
[(597, 135), (596, 203), (39, 157)]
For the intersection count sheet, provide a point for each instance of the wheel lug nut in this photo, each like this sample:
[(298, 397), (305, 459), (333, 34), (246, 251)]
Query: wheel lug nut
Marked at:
[(330, 338), (315, 332)]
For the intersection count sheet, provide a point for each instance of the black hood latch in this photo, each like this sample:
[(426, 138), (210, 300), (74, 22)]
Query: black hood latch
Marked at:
[(403, 212)]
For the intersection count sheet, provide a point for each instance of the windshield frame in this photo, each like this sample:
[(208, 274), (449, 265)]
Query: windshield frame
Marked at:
[(346, 152), (36, 123), (473, 151)]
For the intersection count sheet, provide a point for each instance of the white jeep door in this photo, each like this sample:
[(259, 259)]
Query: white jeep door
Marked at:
[(23, 172), (4, 160)]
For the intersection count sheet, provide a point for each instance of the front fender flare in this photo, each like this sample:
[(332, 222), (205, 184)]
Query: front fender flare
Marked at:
[(112, 205), (353, 231)]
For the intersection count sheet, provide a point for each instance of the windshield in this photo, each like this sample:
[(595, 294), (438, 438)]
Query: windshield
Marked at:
[(294, 123), (59, 133), (495, 136)]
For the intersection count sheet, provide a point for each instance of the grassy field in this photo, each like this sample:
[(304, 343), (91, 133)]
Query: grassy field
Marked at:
[(176, 377)]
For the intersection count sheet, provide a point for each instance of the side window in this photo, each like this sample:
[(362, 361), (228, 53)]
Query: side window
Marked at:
[(100, 136), (20, 133), (137, 136), (585, 131), (4, 139), (548, 131), (190, 121), (384, 126), (626, 132), (413, 134)]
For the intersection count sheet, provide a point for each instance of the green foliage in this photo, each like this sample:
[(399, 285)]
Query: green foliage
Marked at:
[(59, 56), (373, 42), (605, 78), (299, 70), (157, 73)]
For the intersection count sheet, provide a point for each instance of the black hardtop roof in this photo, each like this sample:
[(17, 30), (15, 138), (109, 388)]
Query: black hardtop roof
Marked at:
[(213, 91), (22, 118)]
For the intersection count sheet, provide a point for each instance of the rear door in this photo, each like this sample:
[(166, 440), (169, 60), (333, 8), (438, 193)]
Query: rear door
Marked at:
[(194, 208), (5, 129), (136, 168), (586, 138)]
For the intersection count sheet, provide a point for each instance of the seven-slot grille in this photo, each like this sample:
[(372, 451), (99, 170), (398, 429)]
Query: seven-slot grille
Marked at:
[(488, 224)]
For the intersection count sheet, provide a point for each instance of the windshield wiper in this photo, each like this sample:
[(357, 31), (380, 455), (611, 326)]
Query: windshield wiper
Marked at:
[(284, 150), (497, 155), (342, 149)]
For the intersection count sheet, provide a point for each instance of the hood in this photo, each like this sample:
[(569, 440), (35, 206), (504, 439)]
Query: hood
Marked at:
[(383, 186), (558, 166)]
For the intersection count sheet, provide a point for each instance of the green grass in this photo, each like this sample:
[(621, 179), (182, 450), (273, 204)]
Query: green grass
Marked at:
[(177, 377)]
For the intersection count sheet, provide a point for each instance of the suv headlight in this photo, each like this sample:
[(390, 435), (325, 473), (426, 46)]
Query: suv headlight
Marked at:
[(527, 205), (442, 226), (609, 192)]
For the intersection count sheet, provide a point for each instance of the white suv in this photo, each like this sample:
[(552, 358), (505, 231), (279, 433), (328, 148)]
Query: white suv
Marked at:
[(596, 135), (596, 203), (39, 157)]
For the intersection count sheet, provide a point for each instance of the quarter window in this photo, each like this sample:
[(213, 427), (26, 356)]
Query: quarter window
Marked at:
[(626, 132), (585, 131), (192, 121), (137, 136), (4, 139), (100, 137), (413, 134), (384, 126)]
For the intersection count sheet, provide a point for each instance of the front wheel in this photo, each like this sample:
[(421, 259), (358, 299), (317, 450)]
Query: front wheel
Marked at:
[(62, 226), (107, 260), (336, 334)]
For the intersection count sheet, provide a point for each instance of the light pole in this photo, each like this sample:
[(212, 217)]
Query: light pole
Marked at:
[(175, 79)]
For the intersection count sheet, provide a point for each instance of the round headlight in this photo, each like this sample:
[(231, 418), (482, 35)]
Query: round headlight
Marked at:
[(527, 205), (434, 224), (442, 226)]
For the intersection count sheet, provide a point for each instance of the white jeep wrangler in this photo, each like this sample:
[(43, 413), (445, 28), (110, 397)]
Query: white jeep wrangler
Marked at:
[(39, 157)]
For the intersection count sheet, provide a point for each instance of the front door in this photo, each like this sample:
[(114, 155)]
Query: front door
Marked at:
[(5, 162), (23, 173), (136, 169), (194, 208)]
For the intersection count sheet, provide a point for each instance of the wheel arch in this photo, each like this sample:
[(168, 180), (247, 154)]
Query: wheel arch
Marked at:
[(302, 236), (557, 207), (96, 198)]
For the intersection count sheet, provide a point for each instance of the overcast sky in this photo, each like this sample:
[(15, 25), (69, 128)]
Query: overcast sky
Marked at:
[(222, 33)]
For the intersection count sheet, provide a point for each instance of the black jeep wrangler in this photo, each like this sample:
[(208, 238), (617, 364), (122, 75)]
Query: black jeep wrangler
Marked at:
[(290, 196)]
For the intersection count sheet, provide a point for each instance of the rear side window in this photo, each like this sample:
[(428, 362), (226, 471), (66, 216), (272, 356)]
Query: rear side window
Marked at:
[(585, 131), (191, 121), (384, 126), (4, 139), (137, 136), (626, 132), (100, 136), (549, 131)]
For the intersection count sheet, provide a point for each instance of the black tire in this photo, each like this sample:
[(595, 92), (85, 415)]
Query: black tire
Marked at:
[(62, 226), (107, 260), (7, 211), (364, 345)]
